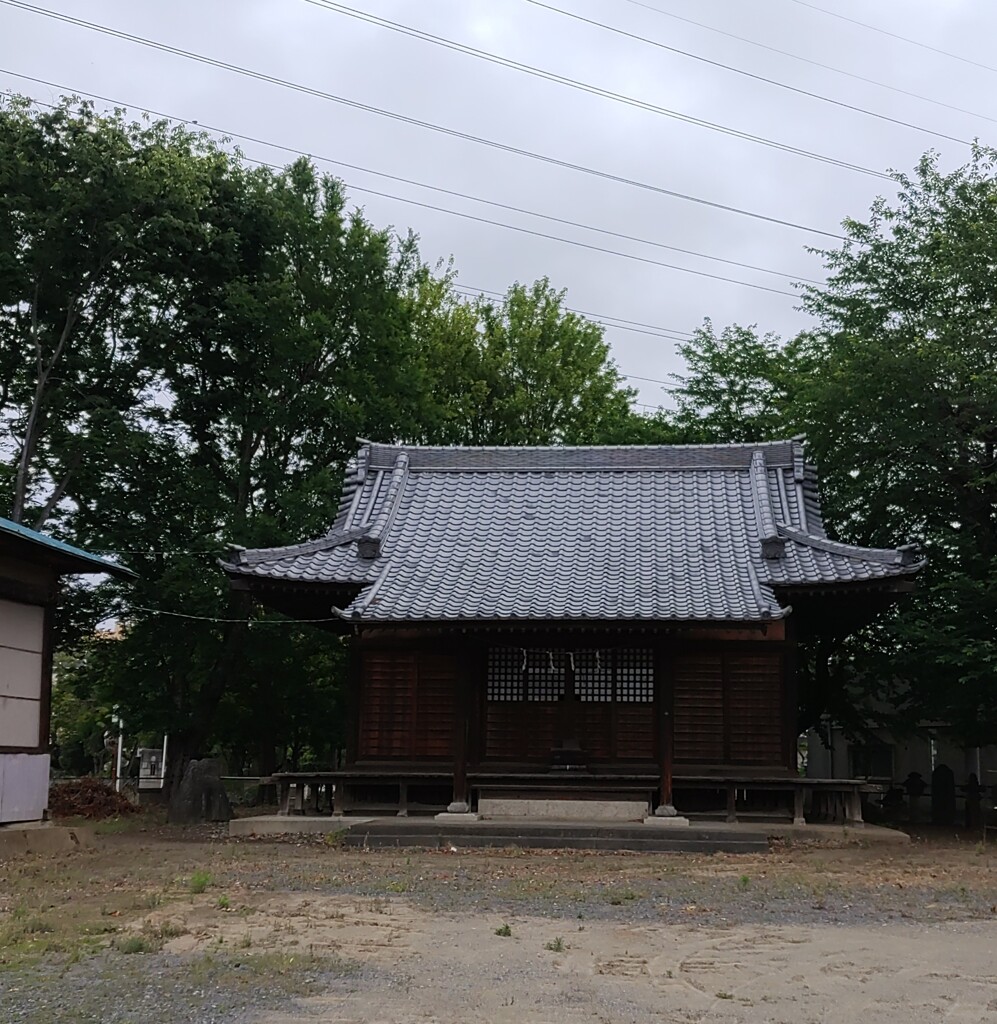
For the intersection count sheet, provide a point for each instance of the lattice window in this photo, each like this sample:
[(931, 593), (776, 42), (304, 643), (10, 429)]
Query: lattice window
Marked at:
[(505, 673), (594, 675), (634, 676), (540, 675), (545, 675)]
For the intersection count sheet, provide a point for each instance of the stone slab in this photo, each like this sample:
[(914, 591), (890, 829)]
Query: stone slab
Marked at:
[(25, 840), (494, 808), (290, 824), (672, 821), (456, 818)]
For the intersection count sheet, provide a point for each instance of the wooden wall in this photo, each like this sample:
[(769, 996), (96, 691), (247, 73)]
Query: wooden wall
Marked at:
[(406, 704), (730, 704), (729, 708)]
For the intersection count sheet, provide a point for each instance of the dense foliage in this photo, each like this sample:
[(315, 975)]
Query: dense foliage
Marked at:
[(189, 347), (895, 388)]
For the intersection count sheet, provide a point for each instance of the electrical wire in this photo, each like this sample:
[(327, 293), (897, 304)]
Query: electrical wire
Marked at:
[(895, 35), (473, 217), (811, 61), (212, 618), (583, 245), (636, 326), (227, 133), (747, 74), (595, 90), (416, 122), (625, 325), (582, 312)]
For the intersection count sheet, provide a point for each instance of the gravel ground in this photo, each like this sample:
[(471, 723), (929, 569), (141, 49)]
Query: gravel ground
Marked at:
[(162, 987), (181, 926)]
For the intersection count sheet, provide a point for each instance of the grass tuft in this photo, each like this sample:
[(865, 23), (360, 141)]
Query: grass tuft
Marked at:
[(199, 881), (134, 944)]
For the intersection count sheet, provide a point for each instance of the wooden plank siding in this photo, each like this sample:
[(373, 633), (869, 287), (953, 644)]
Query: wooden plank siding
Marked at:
[(729, 708), (730, 705), (407, 705)]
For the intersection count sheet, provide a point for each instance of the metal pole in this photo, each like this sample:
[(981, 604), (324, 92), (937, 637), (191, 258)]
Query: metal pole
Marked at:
[(121, 743), (162, 781)]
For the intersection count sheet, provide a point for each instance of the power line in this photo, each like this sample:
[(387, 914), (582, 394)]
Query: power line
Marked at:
[(467, 290), (747, 74), (811, 61), (404, 119), (224, 132), (619, 323), (895, 35), (501, 224), (212, 618), (600, 317), (587, 87), (583, 245)]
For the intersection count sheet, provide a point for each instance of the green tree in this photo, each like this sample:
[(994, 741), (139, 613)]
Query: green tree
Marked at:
[(97, 217), (291, 337), (901, 413), (232, 330), (738, 386), (521, 371), (78, 720)]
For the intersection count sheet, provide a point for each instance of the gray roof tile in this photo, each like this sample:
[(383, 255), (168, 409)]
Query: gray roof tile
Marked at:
[(634, 533)]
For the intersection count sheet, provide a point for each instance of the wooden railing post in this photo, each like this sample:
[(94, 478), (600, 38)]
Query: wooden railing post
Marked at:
[(666, 740), (461, 803)]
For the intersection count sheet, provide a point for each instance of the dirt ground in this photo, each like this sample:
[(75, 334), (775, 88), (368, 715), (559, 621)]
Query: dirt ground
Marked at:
[(171, 925)]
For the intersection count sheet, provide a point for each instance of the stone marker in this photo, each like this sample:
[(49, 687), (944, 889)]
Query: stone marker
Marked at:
[(200, 795)]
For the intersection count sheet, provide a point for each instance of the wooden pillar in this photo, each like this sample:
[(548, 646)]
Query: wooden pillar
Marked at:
[(354, 699), (798, 818), (731, 802), (790, 695), (853, 807), (463, 686), (663, 697)]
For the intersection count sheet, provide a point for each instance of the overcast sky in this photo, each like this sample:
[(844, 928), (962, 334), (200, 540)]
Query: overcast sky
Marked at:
[(332, 52)]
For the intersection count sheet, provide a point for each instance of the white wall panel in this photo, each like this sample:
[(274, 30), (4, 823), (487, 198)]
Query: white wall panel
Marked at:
[(20, 674), (23, 787), (22, 626), (19, 722)]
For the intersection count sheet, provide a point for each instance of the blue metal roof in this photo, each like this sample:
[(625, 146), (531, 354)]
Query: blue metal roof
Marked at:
[(75, 559)]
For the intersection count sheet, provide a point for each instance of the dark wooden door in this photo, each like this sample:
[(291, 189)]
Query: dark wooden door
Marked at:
[(569, 706)]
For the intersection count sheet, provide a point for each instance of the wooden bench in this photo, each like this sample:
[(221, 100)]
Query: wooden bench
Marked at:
[(832, 799), (293, 786)]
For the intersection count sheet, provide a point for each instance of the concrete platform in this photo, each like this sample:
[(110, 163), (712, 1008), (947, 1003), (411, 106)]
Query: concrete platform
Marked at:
[(528, 833), (20, 840), (426, 832)]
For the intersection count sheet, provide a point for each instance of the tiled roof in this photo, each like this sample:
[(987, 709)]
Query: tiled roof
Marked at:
[(691, 532)]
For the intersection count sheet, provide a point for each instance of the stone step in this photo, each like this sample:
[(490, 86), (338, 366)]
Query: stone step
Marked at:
[(380, 835)]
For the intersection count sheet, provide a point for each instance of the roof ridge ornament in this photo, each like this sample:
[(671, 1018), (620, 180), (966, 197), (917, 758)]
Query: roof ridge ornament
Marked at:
[(772, 544), (369, 546)]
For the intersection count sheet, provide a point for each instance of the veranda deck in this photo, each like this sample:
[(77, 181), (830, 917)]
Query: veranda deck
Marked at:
[(403, 790)]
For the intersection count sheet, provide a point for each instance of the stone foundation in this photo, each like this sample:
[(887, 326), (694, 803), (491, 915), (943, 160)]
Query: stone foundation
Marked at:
[(562, 810)]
